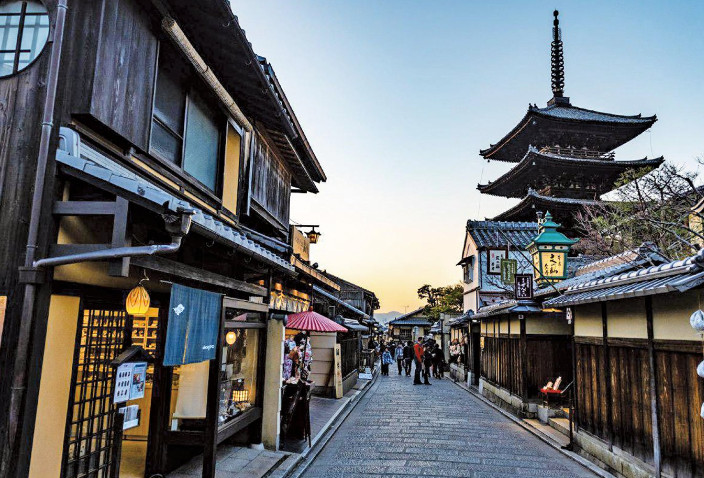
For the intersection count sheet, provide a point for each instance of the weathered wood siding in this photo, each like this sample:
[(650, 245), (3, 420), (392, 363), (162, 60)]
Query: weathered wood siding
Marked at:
[(547, 357), (271, 183), (125, 71), (680, 394)]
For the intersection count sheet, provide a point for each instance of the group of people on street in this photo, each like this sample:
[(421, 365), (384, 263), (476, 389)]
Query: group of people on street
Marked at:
[(426, 355)]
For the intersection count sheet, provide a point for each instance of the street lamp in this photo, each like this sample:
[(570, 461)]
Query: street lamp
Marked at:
[(313, 235), (549, 250)]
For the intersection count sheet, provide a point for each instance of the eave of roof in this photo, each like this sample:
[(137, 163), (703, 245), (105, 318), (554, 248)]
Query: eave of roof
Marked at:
[(533, 201), (676, 276), (220, 40), (561, 115), (547, 167), (101, 170), (349, 307)]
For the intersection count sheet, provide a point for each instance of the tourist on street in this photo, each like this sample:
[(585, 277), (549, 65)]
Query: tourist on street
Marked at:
[(438, 361), (427, 360), (408, 357), (399, 357), (386, 360), (418, 360)]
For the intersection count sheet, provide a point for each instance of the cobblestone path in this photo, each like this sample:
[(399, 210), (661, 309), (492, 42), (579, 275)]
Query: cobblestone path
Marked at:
[(399, 429)]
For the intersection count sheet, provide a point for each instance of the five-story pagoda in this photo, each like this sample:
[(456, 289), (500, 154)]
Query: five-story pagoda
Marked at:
[(563, 154)]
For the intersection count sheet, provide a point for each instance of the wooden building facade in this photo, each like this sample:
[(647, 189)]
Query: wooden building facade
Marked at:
[(166, 155), (638, 395)]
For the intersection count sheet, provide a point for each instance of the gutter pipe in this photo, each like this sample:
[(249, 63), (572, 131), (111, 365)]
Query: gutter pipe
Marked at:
[(20, 375)]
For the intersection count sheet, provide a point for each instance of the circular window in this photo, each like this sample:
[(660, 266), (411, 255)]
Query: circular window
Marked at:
[(24, 30)]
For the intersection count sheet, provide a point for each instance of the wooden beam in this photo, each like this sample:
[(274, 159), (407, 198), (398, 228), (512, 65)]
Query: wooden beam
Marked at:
[(84, 208), (168, 266), (657, 458), (120, 238), (607, 380)]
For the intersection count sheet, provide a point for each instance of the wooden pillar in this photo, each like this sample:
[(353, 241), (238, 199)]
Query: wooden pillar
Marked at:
[(524, 362), (653, 387), (608, 392), (210, 437), (160, 407), (510, 356)]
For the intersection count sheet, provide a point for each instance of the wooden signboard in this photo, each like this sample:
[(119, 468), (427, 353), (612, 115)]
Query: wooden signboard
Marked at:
[(300, 244), (495, 256), (509, 267), (338, 371), (523, 287)]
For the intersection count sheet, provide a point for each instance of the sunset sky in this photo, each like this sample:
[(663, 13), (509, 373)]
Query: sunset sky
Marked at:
[(397, 97)]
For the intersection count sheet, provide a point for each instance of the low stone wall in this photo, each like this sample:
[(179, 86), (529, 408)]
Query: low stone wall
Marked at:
[(457, 373), (504, 399), (617, 461), (349, 381)]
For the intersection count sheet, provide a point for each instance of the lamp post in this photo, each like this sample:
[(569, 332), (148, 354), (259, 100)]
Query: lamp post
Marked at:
[(549, 251)]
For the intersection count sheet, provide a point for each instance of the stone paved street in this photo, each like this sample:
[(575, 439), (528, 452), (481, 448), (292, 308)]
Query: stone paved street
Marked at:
[(399, 429)]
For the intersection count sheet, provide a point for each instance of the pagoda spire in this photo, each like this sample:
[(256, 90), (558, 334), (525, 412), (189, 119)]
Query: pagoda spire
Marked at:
[(557, 62)]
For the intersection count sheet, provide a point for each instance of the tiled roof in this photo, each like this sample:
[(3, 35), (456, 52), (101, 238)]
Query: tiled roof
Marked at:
[(500, 233), (412, 321), (507, 306), (607, 267), (580, 114), (670, 277), (95, 164)]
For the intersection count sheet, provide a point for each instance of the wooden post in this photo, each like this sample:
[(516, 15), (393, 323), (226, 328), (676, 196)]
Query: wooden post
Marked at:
[(120, 238), (653, 388), (524, 362), (607, 381), (210, 437), (157, 450)]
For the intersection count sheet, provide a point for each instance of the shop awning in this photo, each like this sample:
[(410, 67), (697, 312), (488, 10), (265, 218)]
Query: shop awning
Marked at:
[(356, 326), (192, 329), (313, 322)]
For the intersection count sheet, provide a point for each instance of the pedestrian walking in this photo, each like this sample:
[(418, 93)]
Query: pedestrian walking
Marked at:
[(386, 360), (408, 357), (399, 357), (418, 360), (427, 360)]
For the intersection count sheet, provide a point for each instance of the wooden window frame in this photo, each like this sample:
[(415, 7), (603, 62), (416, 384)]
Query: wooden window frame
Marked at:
[(192, 86)]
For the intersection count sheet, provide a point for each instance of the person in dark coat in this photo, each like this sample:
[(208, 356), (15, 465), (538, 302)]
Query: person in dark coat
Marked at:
[(427, 361), (438, 361), (408, 358), (418, 360)]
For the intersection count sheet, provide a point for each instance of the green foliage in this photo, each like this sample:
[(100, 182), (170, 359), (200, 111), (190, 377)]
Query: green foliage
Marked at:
[(441, 300)]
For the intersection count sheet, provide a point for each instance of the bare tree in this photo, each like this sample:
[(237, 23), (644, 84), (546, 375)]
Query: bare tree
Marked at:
[(658, 206)]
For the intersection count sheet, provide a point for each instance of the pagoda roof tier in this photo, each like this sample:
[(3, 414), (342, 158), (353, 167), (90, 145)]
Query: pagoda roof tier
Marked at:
[(567, 126), (563, 209), (539, 169)]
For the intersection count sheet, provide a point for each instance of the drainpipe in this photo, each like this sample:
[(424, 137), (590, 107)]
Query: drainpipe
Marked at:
[(19, 381)]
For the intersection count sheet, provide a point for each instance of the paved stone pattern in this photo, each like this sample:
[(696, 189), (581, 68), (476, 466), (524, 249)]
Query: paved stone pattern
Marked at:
[(401, 429), (233, 462)]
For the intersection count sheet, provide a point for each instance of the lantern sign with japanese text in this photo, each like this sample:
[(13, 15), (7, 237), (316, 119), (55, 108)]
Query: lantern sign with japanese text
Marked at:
[(523, 286), (550, 251)]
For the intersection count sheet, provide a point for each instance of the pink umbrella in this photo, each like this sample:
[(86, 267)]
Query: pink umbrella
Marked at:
[(313, 322)]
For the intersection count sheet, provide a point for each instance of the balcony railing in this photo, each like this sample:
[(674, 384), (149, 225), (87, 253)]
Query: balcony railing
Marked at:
[(578, 153)]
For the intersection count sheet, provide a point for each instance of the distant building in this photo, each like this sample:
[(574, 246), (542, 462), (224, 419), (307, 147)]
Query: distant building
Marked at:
[(410, 326)]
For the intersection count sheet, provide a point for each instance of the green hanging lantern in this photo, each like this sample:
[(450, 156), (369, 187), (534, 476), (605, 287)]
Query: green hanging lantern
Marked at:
[(549, 251)]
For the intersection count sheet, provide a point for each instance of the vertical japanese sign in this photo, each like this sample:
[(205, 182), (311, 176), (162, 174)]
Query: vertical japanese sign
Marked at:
[(509, 267), (523, 287), (495, 258)]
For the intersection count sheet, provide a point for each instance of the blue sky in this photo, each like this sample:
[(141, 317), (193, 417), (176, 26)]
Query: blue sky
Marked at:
[(398, 96)]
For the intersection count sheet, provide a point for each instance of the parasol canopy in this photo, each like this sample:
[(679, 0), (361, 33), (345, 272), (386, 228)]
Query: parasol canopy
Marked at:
[(313, 322)]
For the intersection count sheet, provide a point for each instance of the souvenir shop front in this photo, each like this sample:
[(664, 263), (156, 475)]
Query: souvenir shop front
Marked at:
[(149, 361)]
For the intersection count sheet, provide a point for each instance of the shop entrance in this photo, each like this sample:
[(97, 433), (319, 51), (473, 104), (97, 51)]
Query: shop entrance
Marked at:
[(89, 444)]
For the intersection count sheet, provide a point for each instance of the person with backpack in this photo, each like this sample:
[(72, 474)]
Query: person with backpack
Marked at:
[(386, 360), (408, 357), (399, 357)]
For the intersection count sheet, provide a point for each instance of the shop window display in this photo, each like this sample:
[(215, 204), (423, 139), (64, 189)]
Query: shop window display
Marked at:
[(238, 372)]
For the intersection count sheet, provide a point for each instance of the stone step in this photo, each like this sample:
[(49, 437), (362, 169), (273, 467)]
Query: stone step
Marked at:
[(548, 431), (562, 425)]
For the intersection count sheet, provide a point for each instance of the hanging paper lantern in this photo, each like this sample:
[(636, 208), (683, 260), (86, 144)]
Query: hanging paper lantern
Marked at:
[(697, 321), (700, 369), (137, 302), (230, 337)]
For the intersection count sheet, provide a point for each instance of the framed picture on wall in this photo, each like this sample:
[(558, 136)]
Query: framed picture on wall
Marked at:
[(494, 263)]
